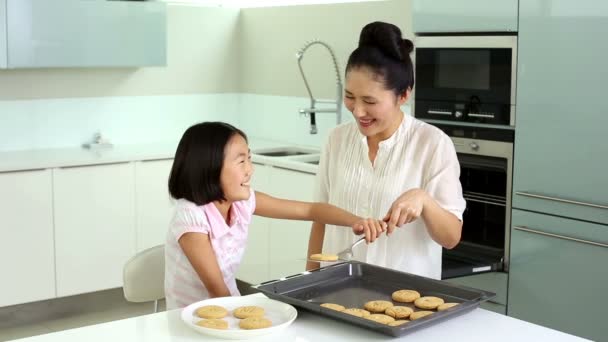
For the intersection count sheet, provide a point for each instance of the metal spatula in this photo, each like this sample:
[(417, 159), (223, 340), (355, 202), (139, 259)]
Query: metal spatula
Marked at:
[(345, 255)]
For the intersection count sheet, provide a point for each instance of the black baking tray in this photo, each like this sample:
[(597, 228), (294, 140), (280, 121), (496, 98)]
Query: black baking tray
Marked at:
[(354, 283)]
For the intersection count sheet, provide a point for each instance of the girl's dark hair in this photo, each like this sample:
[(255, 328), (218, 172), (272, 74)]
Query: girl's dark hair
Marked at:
[(386, 54), (195, 175)]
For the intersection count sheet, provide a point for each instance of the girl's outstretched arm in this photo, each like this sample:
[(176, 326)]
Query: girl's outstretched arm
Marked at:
[(197, 248), (273, 207)]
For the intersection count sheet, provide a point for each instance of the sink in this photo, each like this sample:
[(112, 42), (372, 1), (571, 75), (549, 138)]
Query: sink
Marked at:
[(316, 162), (288, 151), (283, 153)]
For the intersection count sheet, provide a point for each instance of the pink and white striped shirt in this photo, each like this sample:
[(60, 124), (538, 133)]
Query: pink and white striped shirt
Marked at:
[(182, 284)]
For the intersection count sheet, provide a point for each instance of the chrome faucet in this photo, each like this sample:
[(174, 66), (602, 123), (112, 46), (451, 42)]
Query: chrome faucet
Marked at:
[(313, 102)]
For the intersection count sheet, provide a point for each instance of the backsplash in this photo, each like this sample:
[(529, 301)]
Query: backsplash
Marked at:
[(58, 123), (125, 120)]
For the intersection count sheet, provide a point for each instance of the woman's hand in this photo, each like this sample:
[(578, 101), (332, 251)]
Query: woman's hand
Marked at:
[(405, 209), (371, 228)]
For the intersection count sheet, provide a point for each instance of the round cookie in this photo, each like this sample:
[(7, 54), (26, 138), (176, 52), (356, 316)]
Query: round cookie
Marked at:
[(428, 303), (405, 296), (420, 314), (446, 306), (213, 323), (377, 305), (211, 311), (398, 322), (380, 318), (324, 257), (248, 311), (333, 306), (255, 323), (399, 312), (357, 312)]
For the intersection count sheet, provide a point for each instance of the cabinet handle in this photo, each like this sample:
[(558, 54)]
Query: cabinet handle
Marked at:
[(89, 165), (526, 229), (557, 199)]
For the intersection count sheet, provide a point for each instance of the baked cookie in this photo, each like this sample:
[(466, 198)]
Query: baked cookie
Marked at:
[(420, 314), (428, 303), (211, 311), (380, 318), (398, 322), (357, 312), (405, 296), (377, 305), (213, 323), (324, 257), (248, 311), (255, 323), (399, 312), (446, 306), (333, 306)]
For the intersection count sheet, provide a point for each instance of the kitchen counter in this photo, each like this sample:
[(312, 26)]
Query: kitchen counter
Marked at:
[(23, 160), (477, 325)]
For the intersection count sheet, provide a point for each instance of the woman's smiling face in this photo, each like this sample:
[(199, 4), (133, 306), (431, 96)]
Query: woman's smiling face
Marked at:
[(375, 108)]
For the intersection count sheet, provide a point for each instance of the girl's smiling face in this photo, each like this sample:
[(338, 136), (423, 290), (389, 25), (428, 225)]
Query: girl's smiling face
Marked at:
[(237, 169)]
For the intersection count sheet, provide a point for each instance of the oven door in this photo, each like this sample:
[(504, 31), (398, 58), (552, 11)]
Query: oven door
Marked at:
[(485, 180)]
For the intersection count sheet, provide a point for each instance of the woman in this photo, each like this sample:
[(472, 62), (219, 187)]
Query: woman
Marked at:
[(389, 165)]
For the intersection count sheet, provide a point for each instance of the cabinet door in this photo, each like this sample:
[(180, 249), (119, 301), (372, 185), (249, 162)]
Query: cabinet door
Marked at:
[(254, 267), (288, 238), (558, 273), (154, 206), (94, 226), (3, 44), (465, 15), (560, 140), (27, 256), (77, 33)]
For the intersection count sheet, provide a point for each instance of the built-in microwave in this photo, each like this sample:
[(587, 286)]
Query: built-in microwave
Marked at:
[(466, 78)]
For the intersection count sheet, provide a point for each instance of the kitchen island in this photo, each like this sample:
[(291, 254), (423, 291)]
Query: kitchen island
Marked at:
[(477, 325)]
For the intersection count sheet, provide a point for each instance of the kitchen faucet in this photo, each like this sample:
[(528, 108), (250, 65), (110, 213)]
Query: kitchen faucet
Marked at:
[(313, 102)]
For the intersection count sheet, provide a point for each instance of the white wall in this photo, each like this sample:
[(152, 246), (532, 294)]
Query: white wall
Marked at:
[(46, 108)]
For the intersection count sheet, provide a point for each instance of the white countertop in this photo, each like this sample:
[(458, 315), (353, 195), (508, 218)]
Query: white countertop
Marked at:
[(77, 156), (477, 325)]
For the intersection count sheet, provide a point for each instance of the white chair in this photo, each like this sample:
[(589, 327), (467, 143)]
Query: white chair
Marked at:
[(144, 276)]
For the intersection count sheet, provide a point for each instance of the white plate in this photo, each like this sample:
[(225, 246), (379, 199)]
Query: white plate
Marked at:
[(281, 315)]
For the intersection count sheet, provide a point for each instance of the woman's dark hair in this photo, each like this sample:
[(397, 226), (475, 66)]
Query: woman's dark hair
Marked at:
[(195, 175), (383, 50)]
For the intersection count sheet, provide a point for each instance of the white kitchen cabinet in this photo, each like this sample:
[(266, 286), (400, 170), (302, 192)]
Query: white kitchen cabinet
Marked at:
[(254, 267), (153, 204), (27, 255), (94, 210), (289, 238)]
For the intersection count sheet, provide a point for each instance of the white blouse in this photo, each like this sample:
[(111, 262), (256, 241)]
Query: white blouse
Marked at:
[(417, 155)]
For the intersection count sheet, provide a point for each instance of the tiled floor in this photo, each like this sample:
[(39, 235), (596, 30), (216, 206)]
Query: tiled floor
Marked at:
[(66, 313)]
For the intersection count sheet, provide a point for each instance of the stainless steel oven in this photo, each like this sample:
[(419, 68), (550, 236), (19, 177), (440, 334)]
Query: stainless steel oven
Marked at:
[(466, 79), (486, 163)]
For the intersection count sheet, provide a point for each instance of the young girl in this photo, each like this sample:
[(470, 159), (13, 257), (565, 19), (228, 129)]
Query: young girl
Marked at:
[(210, 180)]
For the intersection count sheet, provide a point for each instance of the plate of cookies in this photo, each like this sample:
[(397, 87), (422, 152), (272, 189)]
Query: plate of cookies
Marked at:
[(239, 317)]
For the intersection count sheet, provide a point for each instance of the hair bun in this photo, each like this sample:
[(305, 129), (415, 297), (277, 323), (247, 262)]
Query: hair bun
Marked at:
[(387, 38)]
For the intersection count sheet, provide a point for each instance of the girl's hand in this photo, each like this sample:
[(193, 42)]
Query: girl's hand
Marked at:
[(406, 208), (372, 228)]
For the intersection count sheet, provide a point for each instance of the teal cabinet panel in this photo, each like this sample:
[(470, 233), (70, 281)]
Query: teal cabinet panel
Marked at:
[(77, 33), (492, 281), (3, 45), (558, 278), (464, 16), (561, 123), (498, 308)]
